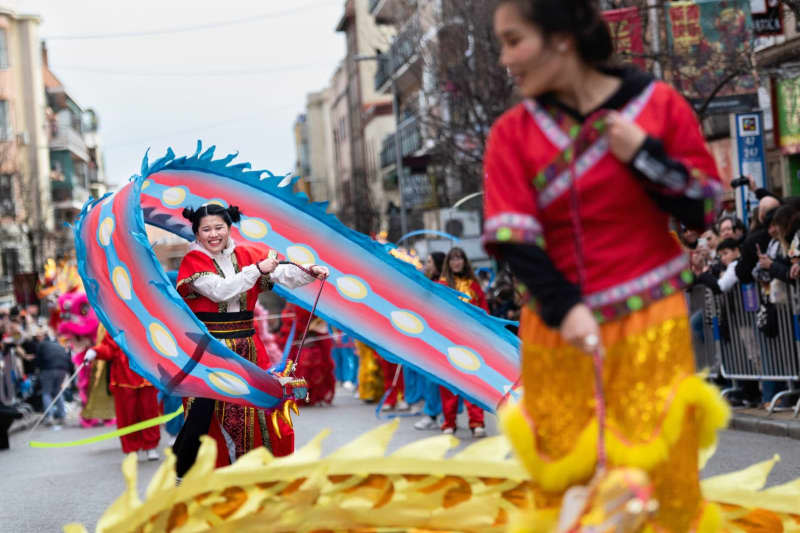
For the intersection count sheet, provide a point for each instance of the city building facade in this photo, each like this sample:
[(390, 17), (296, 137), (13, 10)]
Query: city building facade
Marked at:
[(76, 167), (26, 217), (364, 38)]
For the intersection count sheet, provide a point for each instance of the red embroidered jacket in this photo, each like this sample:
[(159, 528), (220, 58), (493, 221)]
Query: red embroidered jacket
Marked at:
[(196, 264), (556, 185)]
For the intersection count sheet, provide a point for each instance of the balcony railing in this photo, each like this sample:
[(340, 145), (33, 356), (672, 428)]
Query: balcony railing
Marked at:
[(66, 138), (400, 52), (68, 194), (410, 142), (384, 72)]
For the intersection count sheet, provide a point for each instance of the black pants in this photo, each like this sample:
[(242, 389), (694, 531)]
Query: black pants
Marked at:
[(187, 443), (7, 416)]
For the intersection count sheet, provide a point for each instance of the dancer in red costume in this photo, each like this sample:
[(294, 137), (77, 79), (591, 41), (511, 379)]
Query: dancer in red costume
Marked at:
[(220, 281), (457, 274), (581, 180), (315, 364), (135, 399), (78, 323)]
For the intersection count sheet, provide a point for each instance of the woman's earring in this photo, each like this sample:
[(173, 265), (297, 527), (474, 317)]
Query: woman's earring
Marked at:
[(562, 47)]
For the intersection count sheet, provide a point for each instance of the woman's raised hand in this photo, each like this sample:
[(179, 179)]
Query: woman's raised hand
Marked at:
[(624, 137), (320, 271), (267, 265)]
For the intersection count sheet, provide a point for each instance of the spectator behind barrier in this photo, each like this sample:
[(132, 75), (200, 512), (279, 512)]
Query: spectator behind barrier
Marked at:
[(788, 223), (729, 254), (731, 228), (773, 263), (757, 240)]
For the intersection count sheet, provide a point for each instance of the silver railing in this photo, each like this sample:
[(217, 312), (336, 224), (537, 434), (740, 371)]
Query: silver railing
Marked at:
[(736, 349)]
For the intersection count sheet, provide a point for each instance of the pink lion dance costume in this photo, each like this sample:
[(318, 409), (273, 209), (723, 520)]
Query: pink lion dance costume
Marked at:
[(79, 324)]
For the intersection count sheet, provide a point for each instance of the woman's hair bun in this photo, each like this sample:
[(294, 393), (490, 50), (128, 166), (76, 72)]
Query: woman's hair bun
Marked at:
[(580, 19), (189, 213), (234, 214)]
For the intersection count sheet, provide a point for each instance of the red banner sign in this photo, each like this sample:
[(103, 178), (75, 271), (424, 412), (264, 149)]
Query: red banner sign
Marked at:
[(626, 29)]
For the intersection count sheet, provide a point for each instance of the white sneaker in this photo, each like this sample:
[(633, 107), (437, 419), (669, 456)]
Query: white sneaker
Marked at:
[(141, 455), (448, 431), (479, 432), (426, 423), (348, 385), (402, 405), (386, 407), (152, 454), (56, 427)]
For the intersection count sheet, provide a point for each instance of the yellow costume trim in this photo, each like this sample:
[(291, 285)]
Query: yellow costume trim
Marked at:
[(711, 521), (370, 375), (577, 466), (360, 488)]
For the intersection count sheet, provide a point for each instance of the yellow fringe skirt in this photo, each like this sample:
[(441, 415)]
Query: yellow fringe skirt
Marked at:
[(659, 413), (370, 375)]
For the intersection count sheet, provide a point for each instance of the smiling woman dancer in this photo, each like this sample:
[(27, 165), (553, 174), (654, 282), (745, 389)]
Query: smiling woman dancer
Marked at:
[(581, 179), (220, 282)]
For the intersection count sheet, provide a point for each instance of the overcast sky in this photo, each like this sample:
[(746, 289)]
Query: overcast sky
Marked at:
[(239, 85)]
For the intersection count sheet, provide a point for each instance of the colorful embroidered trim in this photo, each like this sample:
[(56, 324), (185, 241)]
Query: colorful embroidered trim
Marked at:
[(243, 295), (513, 228), (222, 307), (265, 283), (231, 330), (189, 280), (613, 303), (548, 126), (553, 182)]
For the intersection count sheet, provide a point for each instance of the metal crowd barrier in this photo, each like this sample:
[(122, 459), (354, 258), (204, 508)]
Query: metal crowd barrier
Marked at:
[(706, 354), (740, 351)]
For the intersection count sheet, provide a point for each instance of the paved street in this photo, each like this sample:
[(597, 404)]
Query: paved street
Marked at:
[(44, 489)]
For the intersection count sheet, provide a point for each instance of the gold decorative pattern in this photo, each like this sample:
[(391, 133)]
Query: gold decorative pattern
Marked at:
[(189, 402), (675, 482), (243, 295), (465, 286), (250, 418), (252, 352), (222, 307), (191, 279), (262, 426), (265, 282), (359, 488)]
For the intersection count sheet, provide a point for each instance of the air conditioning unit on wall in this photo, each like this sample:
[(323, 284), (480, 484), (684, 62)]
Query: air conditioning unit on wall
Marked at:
[(461, 224)]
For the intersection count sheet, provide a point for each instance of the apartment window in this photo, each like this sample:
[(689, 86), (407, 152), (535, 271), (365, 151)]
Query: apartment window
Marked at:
[(6, 195), (5, 125), (3, 49), (10, 258)]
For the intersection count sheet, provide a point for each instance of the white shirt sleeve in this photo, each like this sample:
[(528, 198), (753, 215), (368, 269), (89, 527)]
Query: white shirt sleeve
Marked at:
[(290, 276), (728, 278), (219, 289)]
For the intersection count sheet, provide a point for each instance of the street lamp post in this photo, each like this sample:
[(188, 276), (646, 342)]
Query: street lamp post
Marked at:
[(398, 152)]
